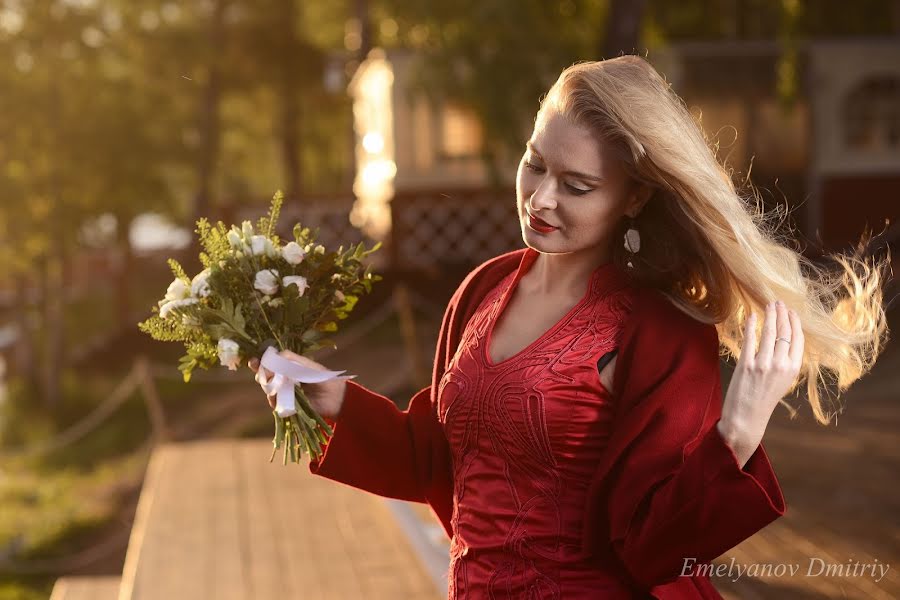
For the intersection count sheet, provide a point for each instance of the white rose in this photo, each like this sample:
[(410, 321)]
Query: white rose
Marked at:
[(169, 306), (266, 281), (178, 290), (234, 239), (319, 249), (297, 280), (293, 253), (200, 286), (260, 244), (229, 354), (247, 230)]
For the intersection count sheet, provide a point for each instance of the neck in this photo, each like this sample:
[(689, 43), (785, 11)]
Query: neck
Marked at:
[(563, 275)]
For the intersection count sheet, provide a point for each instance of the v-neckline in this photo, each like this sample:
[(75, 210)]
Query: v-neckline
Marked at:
[(527, 260)]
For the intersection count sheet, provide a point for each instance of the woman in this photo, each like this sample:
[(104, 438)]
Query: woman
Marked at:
[(574, 442)]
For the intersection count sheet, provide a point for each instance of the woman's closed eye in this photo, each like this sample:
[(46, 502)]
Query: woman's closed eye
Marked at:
[(575, 190)]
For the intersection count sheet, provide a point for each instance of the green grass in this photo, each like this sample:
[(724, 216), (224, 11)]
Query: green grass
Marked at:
[(25, 589)]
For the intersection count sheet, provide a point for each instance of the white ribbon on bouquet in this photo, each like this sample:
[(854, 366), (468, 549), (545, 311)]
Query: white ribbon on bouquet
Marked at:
[(285, 375)]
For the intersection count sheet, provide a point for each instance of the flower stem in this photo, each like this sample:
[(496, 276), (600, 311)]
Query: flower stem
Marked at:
[(266, 317), (309, 410), (279, 434), (263, 311), (304, 434), (286, 446)]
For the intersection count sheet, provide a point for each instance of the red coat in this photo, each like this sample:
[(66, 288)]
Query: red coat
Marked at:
[(669, 488)]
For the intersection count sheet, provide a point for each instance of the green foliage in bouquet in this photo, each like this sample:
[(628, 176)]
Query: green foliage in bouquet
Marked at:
[(255, 293)]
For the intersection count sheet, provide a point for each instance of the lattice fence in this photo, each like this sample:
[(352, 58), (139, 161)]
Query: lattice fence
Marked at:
[(458, 228), (431, 229)]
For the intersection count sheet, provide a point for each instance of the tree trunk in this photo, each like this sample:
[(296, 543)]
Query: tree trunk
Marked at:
[(123, 272), (210, 126), (56, 336), (54, 302), (25, 359), (365, 28), (361, 8), (623, 28), (290, 105)]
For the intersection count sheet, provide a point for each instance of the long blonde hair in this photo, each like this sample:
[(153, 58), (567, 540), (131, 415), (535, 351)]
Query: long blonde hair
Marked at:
[(713, 251)]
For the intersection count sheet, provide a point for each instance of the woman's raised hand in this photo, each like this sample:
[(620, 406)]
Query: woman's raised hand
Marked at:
[(326, 398), (761, 378)]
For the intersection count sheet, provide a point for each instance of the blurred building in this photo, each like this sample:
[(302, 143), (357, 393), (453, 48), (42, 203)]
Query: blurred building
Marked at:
[(421, 184), (833, 153)]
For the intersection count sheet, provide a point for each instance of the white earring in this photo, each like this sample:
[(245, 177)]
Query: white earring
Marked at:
[(632, 240)]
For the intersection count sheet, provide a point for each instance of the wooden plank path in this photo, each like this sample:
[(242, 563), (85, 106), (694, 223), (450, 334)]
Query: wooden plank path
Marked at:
[(217, 520), (100, 587)]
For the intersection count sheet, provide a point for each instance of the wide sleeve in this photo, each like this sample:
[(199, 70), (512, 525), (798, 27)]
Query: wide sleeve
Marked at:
[(676, 491), (379, 448), (396, 453)]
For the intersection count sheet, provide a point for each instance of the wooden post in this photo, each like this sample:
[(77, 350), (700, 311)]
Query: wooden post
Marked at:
[(151, 399), (404, 310)]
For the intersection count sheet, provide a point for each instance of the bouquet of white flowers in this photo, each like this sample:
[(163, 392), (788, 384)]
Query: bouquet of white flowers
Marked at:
[(255, 298)]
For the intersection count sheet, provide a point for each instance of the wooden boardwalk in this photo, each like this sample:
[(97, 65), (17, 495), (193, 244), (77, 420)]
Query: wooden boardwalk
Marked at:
[(217, 520), (101, 587)]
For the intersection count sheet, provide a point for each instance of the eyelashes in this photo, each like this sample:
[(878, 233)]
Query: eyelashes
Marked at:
[(575, 191)]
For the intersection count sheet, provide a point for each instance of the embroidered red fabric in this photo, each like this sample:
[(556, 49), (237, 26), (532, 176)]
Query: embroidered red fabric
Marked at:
[(525, 436)]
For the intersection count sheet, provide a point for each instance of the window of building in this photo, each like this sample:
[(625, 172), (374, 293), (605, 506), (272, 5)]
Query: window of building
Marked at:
[(461, 132), (871, 114)]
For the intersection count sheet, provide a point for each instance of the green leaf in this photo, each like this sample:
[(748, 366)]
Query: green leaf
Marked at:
[(310, 335), (186, 366), (219, 331), (265, 344)]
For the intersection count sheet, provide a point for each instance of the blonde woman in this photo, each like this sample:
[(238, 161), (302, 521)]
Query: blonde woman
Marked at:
[(574, 441)]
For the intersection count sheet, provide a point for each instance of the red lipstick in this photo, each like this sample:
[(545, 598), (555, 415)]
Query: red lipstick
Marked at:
[(540, 226)]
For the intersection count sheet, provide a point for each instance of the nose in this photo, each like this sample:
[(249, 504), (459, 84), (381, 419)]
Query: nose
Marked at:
[(542, 198)]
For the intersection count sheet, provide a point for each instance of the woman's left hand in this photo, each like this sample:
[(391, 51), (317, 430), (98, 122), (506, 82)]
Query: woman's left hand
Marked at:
[(761, 379)]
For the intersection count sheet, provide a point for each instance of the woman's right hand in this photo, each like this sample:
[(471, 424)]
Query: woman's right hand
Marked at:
[(326, 398)]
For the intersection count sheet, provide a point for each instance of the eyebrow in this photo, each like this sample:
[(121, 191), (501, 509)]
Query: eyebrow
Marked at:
[(578, 174)]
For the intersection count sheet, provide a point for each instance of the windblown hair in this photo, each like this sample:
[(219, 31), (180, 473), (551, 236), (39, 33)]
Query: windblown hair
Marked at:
[(713, 250)]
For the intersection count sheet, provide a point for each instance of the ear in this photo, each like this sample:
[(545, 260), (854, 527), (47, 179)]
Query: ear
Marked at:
[(640, 195)]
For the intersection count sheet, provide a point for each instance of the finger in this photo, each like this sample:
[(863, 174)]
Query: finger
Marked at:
[(797, 341), (783, 329), (272, 401), (290, 355), (766, 341), (253, 363), (302, 360), (748, 350)]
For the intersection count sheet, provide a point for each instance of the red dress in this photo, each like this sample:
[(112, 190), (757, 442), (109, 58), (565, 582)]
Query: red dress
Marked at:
[(525, 437), (548, 484)]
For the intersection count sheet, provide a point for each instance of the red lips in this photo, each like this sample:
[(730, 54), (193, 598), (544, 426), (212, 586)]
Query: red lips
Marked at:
[(539, 225)]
